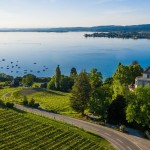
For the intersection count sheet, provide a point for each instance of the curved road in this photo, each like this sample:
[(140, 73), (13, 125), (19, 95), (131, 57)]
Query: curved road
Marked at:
[(119, 140)]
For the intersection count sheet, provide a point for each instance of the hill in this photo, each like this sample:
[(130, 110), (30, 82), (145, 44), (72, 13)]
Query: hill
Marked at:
[(48, 99), (110, 28)]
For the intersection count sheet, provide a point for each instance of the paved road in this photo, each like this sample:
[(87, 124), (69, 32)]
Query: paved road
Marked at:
[(119, 140)]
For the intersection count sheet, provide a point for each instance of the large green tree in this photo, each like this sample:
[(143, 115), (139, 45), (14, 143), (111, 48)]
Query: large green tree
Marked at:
[(57, 78), (51, 84), (136, 70), (65, 84), (81, 93), (116, 110), (100, 100), (95, 78), (121, 79), (28, 80), (73, 72), (138, 108), (108, 80), (73, 76)]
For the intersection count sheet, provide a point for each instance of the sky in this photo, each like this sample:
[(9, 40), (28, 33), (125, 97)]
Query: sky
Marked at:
[(72, 13)]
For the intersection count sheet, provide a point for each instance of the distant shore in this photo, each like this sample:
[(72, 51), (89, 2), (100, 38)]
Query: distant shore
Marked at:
[(107, 28), (123, 35)]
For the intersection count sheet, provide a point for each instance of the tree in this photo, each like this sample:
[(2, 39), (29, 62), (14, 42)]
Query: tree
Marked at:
[(51, 84), (81, 93), (138, 108), (57, 78), (135, 62), (95, 78), (65, 84), (28, 80), (119, 89), (116, 110), (4, 77), (108, 80), (73, 76), (123, 74), (136, 70), (121, 79), (100, 100), (73, 72), (15, 83)]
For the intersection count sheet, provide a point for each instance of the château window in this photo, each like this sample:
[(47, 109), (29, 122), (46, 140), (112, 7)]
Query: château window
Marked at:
[(148, 76)]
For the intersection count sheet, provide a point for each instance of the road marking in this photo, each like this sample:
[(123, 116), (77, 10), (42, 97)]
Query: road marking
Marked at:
[(129, 148), (138, 146), (119, 140), (107, 134)]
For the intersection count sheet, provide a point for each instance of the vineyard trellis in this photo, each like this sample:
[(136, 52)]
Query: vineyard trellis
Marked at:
[(19, 130)]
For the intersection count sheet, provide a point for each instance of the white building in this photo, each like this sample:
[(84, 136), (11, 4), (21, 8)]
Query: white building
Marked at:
[(143, 80)]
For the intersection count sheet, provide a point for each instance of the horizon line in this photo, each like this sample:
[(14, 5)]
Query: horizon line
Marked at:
[(71, 26)]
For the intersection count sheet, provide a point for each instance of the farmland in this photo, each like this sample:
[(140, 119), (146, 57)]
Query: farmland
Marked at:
[(50, 100), (21, 130)]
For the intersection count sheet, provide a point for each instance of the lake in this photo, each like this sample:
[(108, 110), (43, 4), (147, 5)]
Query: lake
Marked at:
[(34, 52)]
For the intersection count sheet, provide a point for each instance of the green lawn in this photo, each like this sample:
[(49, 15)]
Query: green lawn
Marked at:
[(23, 131), (7, 90), (50, 100)]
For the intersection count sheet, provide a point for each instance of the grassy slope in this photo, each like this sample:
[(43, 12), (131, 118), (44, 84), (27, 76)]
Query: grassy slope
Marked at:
[(21, 130), (50, 100)]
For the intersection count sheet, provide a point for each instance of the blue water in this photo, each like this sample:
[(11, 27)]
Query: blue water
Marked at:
[(68, 50)]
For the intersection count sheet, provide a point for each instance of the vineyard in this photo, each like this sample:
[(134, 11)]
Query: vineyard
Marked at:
[(50, 100), (24, 131)]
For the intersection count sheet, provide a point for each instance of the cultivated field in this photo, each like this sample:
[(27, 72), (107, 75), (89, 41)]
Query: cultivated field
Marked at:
[(50, 100), (21, 130)]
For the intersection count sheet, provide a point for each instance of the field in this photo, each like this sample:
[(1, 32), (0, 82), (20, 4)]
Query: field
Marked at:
[(23, 131), (50, 100)]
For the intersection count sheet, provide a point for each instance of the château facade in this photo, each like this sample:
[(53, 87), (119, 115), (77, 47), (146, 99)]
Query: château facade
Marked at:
[(143, 80)]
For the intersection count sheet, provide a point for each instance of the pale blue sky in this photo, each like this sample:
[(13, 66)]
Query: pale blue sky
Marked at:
[(62, 13)]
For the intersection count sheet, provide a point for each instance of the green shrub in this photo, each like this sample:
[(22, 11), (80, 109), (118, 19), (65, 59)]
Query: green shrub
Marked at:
[(122, 128), (147, 134), (31, 103), (36, 105), (25, 101), (9, 105), (2, 103)]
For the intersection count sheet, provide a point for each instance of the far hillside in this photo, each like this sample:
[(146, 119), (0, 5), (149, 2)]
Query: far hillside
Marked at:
[(107, 28)]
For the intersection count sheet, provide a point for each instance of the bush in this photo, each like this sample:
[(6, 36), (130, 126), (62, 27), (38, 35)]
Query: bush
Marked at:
[(32, 102), (9, 105), (123, 128), (25, 101), (147, 134), (7, 83), (2, 103), (36, 105)]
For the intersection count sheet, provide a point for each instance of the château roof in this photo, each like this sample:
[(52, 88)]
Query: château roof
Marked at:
[(147, 71)]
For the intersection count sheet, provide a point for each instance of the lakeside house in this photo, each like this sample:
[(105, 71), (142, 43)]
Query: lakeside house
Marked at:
[(144, 79)]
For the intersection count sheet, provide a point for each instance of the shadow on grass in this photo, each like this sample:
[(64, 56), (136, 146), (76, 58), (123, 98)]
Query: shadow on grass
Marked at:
[(14, 109), (30, 91)]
